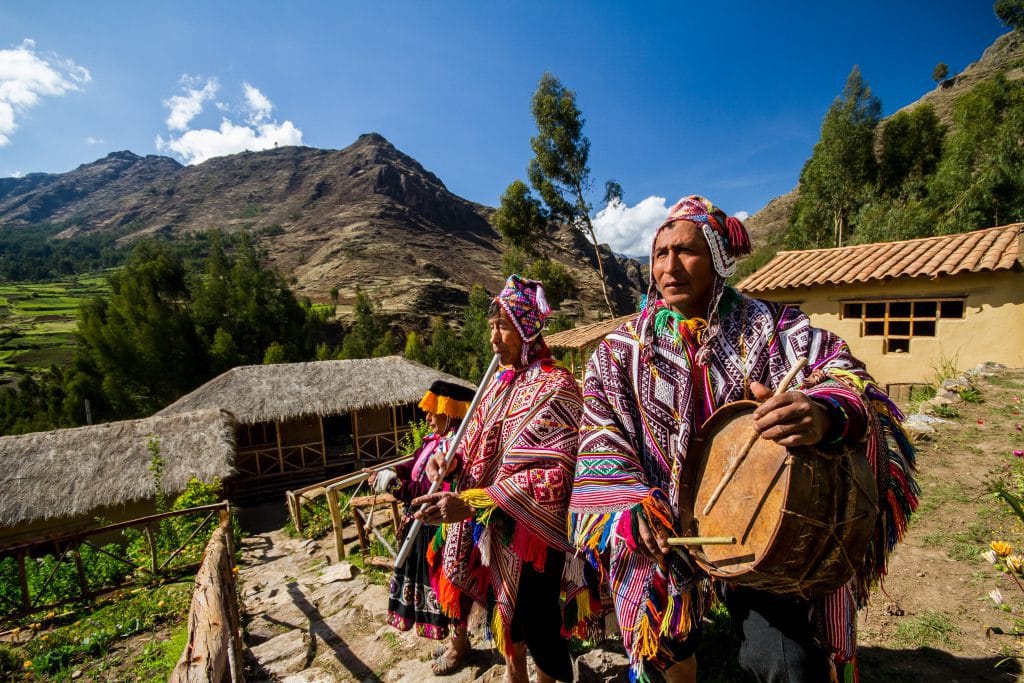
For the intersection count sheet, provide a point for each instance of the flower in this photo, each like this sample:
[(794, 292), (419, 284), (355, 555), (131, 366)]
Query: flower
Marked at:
[(996, 595), (27, 664), (1002, 548), (1015, 563), (981, 422), (1019, 453), (990, 556)]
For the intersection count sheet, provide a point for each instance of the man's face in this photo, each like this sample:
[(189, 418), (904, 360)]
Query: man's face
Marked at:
[(505, 339), (682, 268)]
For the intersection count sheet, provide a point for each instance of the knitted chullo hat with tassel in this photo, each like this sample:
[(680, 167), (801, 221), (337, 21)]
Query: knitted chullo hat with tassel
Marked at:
[(526, 306), (727, 238)]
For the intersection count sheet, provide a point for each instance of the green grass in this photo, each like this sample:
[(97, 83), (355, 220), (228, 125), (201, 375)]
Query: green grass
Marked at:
[(928, 629), (38, 316)]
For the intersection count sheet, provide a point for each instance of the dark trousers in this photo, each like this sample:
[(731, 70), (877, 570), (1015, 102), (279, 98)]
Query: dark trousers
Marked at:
[(777, 637), (538, 618)]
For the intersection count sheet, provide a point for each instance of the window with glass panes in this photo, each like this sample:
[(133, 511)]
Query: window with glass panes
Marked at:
[(899, 321)]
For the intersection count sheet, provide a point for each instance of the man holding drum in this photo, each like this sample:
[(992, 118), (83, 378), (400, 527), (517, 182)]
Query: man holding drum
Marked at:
[(697, 345), (503, 542)]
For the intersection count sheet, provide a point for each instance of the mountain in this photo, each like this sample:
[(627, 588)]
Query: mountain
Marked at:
[(1005, 55), (366, 215)]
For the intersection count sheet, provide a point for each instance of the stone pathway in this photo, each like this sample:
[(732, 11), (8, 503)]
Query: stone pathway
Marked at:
[(310, 621)]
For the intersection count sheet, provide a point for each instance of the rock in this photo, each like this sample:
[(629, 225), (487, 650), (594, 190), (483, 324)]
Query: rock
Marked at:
[(311, 675), (285, 654), (602, 665), (343, 571)]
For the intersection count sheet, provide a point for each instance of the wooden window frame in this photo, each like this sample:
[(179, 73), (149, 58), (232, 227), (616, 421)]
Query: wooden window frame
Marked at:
[(901, 340)]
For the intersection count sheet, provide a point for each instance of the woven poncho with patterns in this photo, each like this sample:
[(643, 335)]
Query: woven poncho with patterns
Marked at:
[(645, 393), (520, 452)]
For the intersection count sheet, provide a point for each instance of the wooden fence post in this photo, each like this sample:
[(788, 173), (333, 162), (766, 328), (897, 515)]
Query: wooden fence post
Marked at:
[(151, 537), (336, 524)]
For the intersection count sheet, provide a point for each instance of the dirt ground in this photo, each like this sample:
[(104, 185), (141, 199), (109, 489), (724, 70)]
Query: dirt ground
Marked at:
[(932, 619)]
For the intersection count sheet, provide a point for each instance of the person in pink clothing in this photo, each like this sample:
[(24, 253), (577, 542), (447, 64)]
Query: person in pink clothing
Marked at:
[(412, 602)]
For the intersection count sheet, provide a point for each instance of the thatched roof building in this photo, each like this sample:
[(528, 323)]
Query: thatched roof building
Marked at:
[(304, 422), (581, 341), (267, 393), (70, 473)]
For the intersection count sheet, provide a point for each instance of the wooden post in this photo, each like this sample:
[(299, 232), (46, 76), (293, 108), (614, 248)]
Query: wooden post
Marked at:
[(295, 510), (395, 517), (355, 436), (336, 524), (151, 537), (357, 517), (280, 453), (323, 443), (82, 580), (394, 426), (26, 599)]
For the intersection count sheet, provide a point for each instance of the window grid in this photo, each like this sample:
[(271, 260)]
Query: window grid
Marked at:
[(897, 321)]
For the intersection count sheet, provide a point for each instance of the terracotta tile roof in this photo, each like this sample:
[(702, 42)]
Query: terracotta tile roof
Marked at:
[(991, 249), (578, 337)]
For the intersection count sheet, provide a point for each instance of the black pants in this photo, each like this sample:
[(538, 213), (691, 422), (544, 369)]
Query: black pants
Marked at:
[(777, 637), (538, 618)]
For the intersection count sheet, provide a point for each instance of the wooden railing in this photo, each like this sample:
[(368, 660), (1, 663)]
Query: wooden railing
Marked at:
[(213, 652), (331, 489), (67, 551)]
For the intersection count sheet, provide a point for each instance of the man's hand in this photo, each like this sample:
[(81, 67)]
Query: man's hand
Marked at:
[(437, 469), (443, 507), (790, 419), (653, 544)]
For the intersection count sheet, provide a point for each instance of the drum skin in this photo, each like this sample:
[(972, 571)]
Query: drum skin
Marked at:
[(802, 517)]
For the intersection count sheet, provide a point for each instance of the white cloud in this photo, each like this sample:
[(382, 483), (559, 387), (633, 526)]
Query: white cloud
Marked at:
[(186, 107), (259, 106), (742, 215), (93, 141), (258, 130), (26, 76), (629, 229)]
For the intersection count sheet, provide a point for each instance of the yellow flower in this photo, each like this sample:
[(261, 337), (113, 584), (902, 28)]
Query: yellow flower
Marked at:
[(1015, 563), (1002, 548), (27, 664)]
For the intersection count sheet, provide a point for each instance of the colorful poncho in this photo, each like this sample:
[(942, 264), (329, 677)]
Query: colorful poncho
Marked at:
[(648, 386), (518, 458)]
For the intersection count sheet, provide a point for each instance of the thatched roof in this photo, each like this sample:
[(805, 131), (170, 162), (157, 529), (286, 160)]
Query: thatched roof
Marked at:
[(580, 337), (263, 393), (71, 472)]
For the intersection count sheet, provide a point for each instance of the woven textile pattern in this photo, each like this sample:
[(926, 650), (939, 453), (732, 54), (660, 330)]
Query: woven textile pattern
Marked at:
[(642, 405)]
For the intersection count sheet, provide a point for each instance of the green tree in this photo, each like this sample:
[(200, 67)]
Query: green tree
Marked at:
[(1011, 13), (558, 282), (475, 337), (911, 147), (141, 342), (559, 171), (414, 349), (940, 72), (980, 180), (274, 354), (520, 219), (841, 172)]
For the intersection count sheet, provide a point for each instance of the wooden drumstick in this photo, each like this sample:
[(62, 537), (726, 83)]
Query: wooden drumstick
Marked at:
[(702, 540), (797, 367)]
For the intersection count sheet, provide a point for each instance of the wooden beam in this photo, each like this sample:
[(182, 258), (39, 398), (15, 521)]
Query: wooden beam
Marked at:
[(323, 441), (280, 453)]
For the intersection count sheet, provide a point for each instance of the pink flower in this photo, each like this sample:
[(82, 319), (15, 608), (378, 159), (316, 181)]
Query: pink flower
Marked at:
[(981, 422), (1019, 453)]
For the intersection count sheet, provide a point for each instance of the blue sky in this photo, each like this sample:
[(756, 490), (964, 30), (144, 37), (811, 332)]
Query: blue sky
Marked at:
[(723, 99)]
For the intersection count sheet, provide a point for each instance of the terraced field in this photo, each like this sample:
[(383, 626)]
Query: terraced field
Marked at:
[(37, 321)]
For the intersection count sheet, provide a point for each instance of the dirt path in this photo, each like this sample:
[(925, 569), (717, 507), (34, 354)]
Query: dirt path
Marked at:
[(311, 622)]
